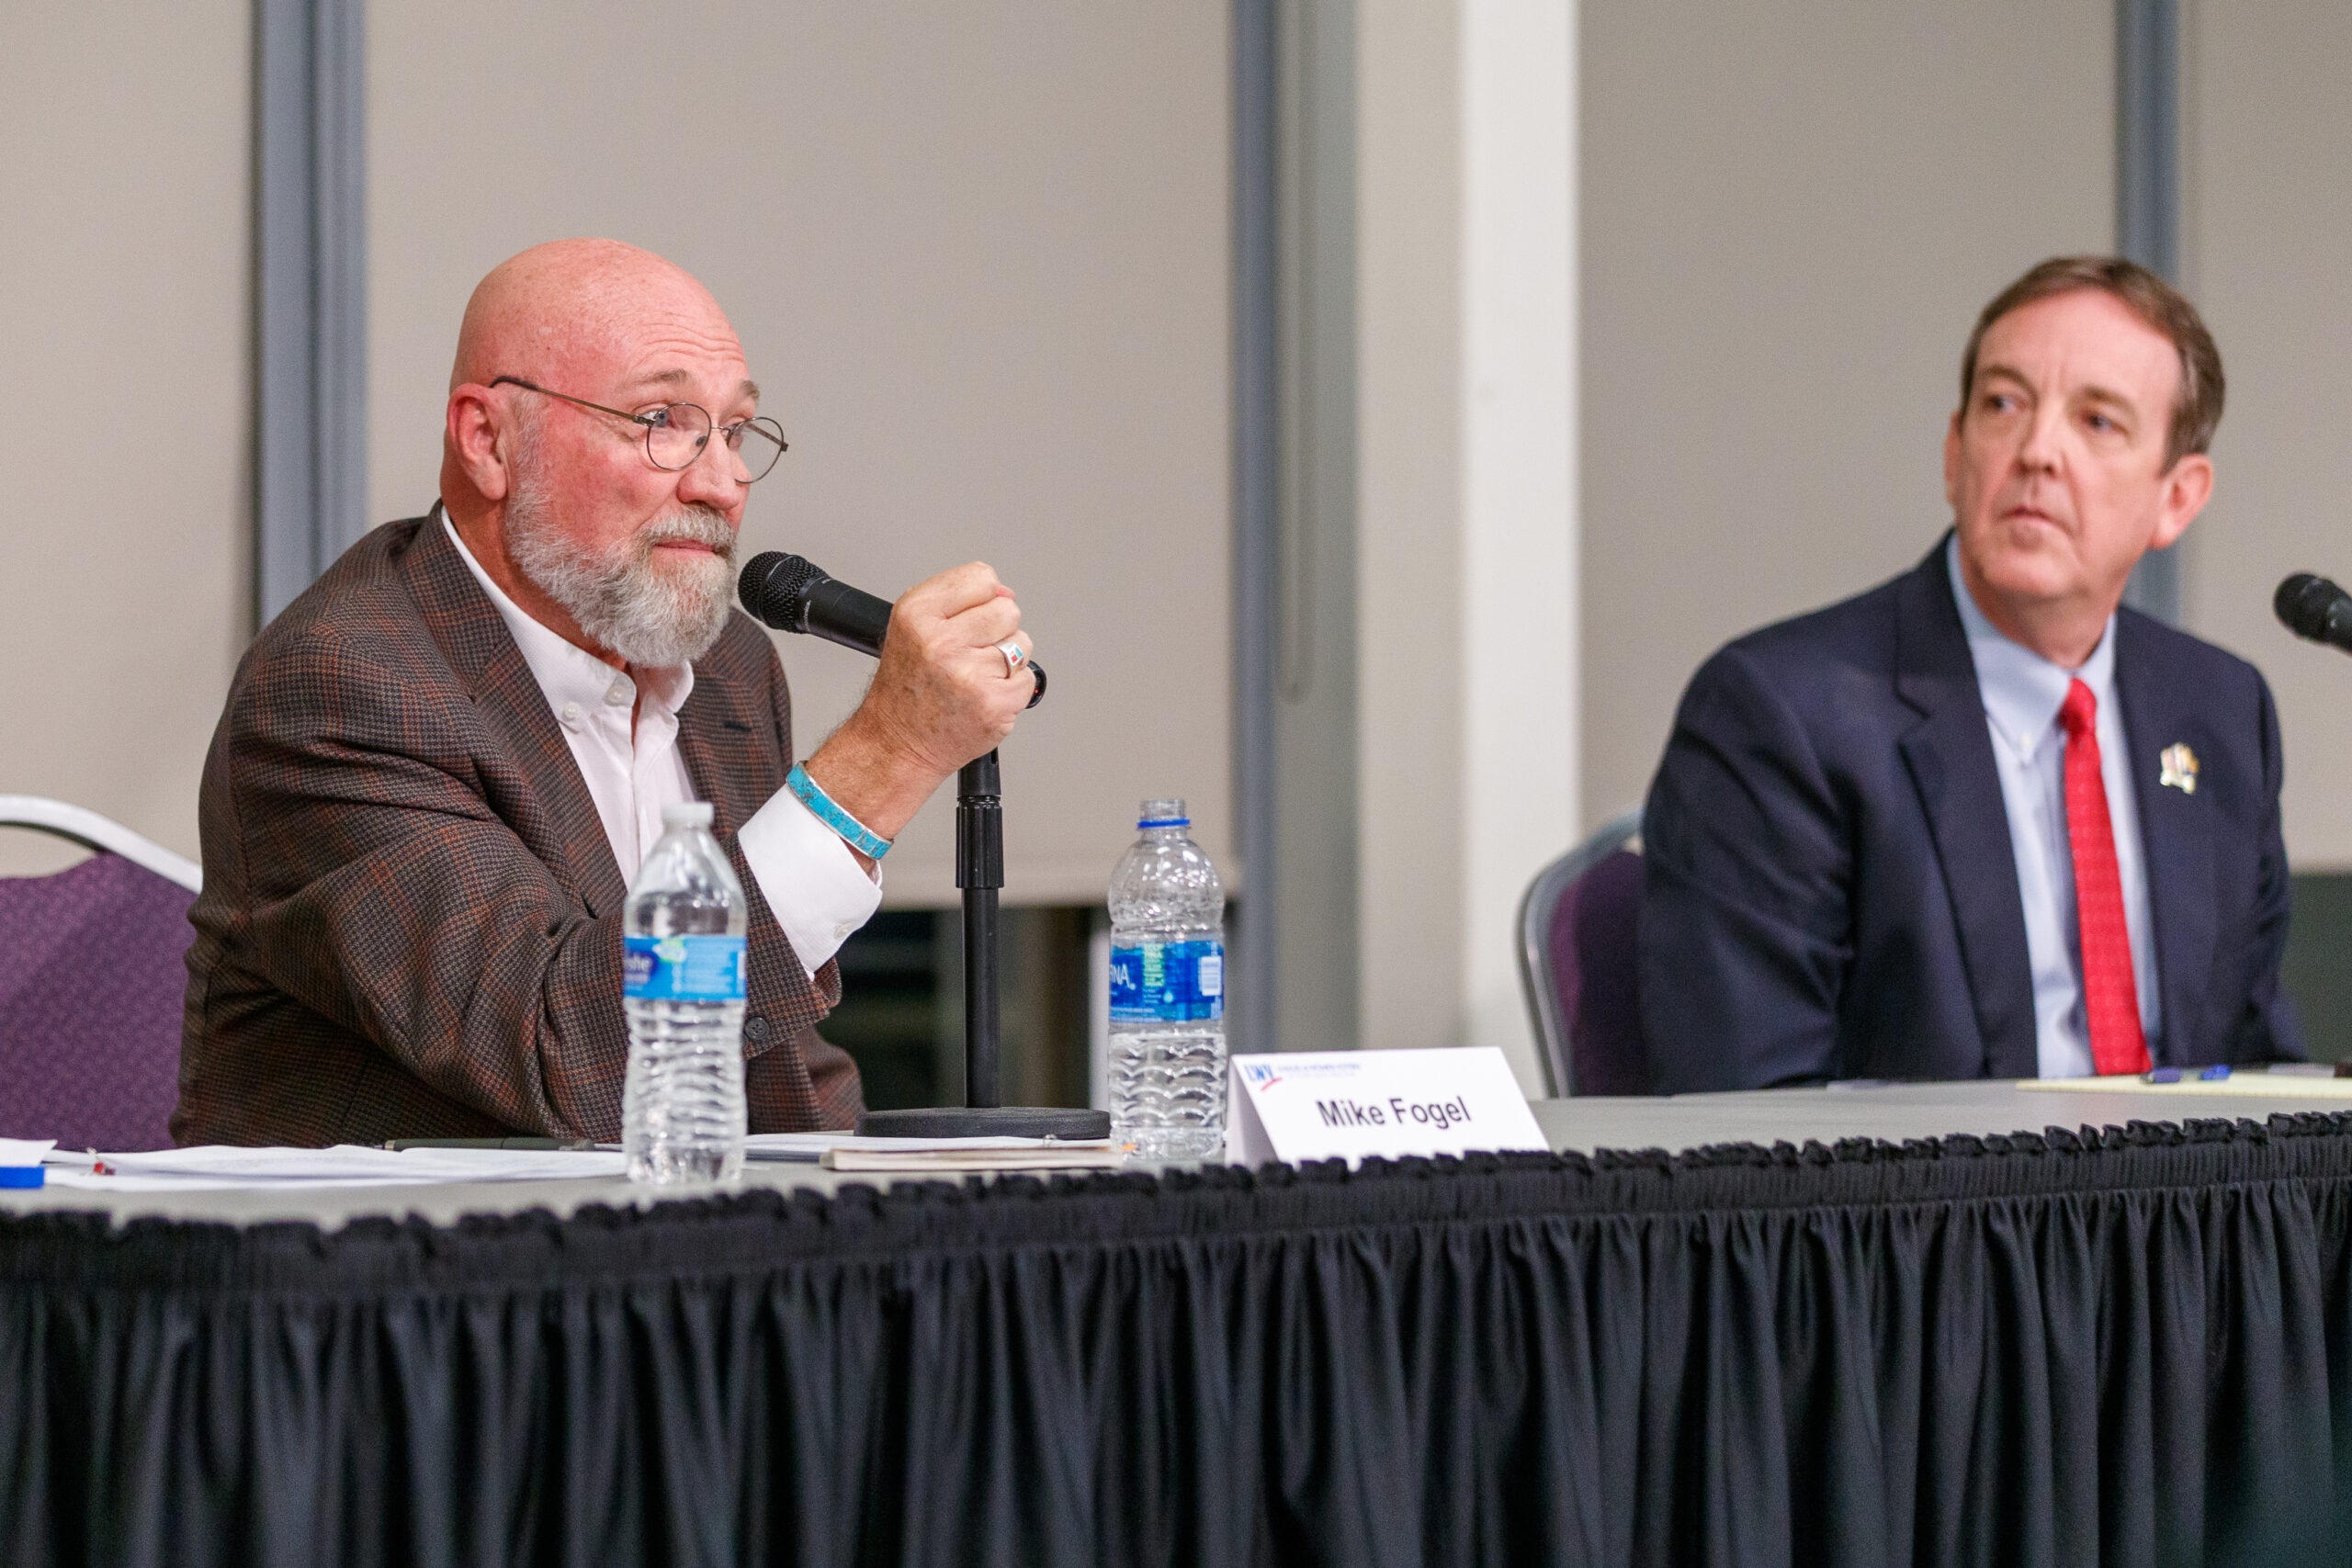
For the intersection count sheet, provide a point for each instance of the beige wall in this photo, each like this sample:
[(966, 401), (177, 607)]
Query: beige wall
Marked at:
[(125, 560), (2268, 242), (979, 255), (1409, 570), (1792, 212)]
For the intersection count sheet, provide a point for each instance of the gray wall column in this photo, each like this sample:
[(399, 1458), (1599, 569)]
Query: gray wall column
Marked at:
[(311, 365), (2147, 201), (1295, 509), (1256, 501), (1315, 995)]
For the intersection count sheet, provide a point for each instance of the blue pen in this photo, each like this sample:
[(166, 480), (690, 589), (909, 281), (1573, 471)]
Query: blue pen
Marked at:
[(2217, 1071)]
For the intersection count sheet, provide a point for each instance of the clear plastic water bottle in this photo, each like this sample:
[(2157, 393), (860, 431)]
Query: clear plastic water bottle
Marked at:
[(1167, 993), (681, 1107)]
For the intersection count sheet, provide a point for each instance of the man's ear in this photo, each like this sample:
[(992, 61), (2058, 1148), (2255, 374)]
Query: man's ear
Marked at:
[(473, 436), (1951, 460), (2187, 489)]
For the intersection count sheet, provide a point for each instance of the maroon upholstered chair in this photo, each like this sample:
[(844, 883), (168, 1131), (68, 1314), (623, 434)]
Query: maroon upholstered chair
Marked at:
[(93, 973), (1578, 926)]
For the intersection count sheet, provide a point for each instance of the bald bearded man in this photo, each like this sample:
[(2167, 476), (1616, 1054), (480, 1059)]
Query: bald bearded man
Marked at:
[(439, 768)]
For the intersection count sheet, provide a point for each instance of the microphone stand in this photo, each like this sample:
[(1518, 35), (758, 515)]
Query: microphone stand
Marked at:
[(790, 594), (979, 872)]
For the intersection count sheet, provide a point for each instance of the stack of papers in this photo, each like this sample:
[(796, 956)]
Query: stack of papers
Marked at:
[(346, 1165), (844, 1151)]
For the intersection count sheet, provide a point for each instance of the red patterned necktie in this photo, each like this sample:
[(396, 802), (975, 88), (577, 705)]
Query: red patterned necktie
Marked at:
[(2110, 995)]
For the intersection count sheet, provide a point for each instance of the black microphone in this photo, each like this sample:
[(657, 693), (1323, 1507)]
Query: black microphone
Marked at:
[(793, 594), (2313, 608)]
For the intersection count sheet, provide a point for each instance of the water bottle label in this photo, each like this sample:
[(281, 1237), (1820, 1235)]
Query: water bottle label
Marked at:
[(683, 968), (1167, 982)]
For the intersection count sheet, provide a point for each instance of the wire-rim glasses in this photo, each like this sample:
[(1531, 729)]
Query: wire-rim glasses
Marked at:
[(676, 434)]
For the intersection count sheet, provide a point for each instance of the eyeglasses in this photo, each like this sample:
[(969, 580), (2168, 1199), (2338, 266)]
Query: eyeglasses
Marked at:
[(676, 434)]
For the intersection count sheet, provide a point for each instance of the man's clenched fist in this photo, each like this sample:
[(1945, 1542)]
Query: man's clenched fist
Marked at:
[(940, 697)]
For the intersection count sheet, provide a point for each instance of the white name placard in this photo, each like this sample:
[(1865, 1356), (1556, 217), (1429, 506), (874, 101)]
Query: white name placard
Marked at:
[(1348, 1104)]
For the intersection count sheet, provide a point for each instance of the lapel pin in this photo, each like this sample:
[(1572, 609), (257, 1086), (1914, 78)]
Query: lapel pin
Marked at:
[(2179, 770)]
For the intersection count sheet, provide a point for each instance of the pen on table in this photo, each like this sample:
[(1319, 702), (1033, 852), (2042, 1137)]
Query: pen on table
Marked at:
[(2217, 1071), (397, 1145)]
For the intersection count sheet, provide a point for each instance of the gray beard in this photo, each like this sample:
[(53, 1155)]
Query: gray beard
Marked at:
[(653, 615)]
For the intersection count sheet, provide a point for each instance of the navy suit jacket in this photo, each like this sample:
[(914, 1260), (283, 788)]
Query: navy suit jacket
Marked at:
[(1829, 889)]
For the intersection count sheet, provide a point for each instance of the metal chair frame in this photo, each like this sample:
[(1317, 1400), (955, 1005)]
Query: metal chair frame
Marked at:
[(88, 828), (1536, 973)]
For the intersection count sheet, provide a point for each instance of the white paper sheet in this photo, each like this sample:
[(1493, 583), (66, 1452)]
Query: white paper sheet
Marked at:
[(346, 1165), (91, 1182)]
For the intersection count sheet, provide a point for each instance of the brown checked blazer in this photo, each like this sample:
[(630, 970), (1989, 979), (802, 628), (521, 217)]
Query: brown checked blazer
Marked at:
[(411, 922)]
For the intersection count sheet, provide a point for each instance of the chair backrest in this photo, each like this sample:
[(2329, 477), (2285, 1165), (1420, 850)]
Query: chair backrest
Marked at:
[(93, 979), (87, 827), (1578, 929)]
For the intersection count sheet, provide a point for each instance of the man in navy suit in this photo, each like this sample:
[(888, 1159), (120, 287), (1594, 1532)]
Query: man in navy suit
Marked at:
[(1979, 821)]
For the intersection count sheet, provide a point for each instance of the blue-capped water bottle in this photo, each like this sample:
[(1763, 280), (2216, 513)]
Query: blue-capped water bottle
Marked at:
[(1167, 993), (681, 1107)]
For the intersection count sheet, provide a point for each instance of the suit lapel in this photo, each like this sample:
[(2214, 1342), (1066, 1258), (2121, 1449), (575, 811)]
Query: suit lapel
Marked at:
[(1950, 754), (557, 816), (2175, 832), (713, 724)]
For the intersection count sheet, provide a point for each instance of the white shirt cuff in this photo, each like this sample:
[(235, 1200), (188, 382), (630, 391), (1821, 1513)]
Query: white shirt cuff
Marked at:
[(814, 886)]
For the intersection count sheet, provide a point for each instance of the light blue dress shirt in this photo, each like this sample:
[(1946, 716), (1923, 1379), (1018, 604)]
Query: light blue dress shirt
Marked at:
[(2022, 693)]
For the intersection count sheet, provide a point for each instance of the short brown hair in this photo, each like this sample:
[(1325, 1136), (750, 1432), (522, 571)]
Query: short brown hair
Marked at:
[(2196, 407)]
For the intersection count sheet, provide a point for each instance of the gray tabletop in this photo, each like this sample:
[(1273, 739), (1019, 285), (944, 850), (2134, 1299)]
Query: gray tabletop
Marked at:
[(1892, 1112)]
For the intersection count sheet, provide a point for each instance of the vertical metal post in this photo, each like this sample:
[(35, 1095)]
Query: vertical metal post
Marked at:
[(979, 871), (310, 287), (2147, 201), (1256, 498)]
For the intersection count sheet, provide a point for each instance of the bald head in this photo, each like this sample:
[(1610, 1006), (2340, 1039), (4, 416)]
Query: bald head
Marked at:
[(595, 320), (568, 304), (554, 487)]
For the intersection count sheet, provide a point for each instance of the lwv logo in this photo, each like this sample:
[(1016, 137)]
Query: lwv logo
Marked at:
[(1262, 1074)]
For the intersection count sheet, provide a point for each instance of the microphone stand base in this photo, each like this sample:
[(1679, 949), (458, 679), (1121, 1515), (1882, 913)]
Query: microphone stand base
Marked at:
[(986, 1121)]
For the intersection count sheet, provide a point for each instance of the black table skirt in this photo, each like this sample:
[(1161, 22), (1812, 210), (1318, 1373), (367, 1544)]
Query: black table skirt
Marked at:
[(2128, 1348)]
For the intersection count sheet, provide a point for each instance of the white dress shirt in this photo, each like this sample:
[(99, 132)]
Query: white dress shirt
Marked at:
[(2022, 693), (814, 886)]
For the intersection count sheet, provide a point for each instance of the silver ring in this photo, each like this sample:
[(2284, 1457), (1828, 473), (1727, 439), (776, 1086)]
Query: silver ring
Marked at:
[(1014, 658)]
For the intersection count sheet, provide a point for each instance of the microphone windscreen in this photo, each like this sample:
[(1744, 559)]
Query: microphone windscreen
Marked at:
[(2302, 603), (775, 589)]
